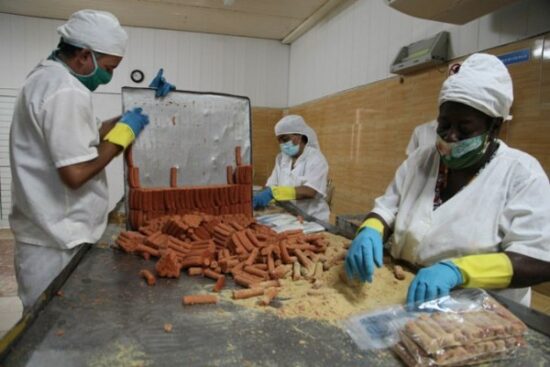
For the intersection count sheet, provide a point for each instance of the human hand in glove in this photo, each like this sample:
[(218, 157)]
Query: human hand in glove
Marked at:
[(365, 252), (262, 199), (125, 131), (135, 119), (161, 85), (433, 282)]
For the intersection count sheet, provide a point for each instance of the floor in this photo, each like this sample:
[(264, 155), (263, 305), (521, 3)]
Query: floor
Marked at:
[(11, 308)]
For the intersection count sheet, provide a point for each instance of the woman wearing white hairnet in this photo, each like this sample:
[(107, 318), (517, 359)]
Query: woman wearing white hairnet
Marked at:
[(58, 154), (470, 210), (300, 172)]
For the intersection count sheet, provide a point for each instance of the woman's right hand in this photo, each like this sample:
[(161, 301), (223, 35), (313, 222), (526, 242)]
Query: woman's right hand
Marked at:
[(365, 252)]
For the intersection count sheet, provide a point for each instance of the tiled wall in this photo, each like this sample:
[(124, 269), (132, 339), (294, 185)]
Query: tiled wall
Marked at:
[(264, 143)]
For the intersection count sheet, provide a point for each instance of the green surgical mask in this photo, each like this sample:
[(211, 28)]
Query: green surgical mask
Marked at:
[(94, 79), (463, 153)]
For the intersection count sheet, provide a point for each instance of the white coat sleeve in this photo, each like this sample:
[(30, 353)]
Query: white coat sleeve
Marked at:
[(273, 180), (525, 220), (316, 175), (387, 205), (413, 142), (69, 127)]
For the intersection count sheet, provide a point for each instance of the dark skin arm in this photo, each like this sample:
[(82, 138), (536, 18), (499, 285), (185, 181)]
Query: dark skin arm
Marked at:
[(76, 175), (305, 192), (528, 271), (107, 125)]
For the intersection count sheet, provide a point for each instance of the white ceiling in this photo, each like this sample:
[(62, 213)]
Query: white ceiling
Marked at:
[(271, 19)]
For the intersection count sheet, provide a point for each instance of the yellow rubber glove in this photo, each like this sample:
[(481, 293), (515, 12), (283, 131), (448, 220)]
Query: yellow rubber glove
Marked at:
[(373, 223), (121, 134), (131, 124), (283, 193), (485, 270)]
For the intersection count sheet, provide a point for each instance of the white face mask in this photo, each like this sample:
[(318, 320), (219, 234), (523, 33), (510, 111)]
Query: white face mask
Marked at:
[(289, 148)]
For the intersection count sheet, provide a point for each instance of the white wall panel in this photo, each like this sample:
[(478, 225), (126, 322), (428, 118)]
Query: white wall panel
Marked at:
[(512, 22), (359, 54), (464, 39), (7, 101), (356, 45), (400, 32), (192, 61), (538, 16)]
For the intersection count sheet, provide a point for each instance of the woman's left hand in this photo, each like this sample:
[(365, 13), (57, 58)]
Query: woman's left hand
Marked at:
[(433, 282)]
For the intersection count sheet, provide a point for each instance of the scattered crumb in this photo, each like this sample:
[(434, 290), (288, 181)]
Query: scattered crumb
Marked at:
[(398, 272), (168, 328), (60, 332), (333, 298)]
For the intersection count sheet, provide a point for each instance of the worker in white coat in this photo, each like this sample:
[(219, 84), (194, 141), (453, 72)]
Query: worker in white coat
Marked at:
[(58, 154), (423, 136), (470, 210), (301, 170)]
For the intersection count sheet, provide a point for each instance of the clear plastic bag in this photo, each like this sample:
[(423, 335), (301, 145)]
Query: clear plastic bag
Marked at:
[(467, 327)]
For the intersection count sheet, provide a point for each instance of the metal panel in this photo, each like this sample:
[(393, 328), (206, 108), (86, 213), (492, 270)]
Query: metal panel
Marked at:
[(196, 132)]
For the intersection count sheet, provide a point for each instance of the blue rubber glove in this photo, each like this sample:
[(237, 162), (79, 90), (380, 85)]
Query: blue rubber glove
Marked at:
[(161, 85), (262, 199), (135, 119), (365, 251), (433, 282)]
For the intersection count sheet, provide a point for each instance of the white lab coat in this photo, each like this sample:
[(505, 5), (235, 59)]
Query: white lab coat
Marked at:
[(311, 170), (423, 136), (53, 126), (36, 267), (504, 208)]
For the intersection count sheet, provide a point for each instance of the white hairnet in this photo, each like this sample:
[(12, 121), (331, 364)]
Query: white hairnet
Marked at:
[(97, 30), (294, 124), (482, 82)]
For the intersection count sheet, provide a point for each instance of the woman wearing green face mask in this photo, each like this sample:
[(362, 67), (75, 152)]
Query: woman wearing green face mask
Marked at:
[(469, 210), (466, 141)]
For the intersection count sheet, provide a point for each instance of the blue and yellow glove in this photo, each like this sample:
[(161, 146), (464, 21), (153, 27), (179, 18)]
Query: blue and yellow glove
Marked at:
[(366, 251), (161, 85), (279, 193), (433, 282), (262, 199), (475, 271), (128, 128), (283, 193)]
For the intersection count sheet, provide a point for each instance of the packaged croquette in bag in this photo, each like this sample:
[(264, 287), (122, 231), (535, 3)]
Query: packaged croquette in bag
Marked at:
[(467, 327)]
